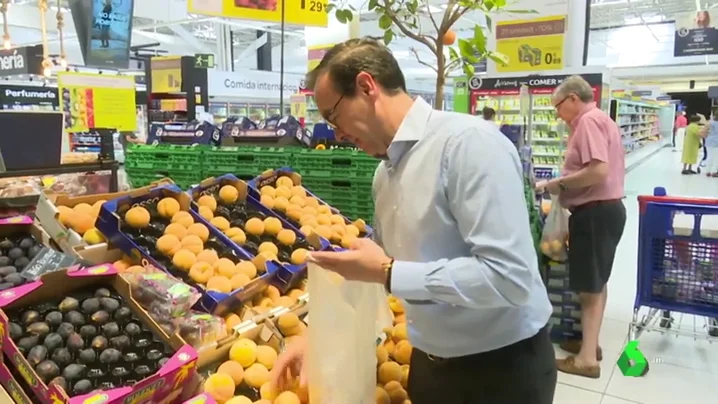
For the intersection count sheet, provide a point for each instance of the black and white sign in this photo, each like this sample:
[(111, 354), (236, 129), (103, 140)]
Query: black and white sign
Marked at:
[(27, 95), (515, 83), (695, 34), (47, 260), (27, 60), (252, 84)]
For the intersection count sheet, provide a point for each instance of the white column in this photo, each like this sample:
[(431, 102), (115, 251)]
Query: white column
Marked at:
[(224, 46), (575, 36)]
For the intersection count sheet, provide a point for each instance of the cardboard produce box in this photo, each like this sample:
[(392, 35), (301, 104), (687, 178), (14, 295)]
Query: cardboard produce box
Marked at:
[(12, 390), (166, 361)]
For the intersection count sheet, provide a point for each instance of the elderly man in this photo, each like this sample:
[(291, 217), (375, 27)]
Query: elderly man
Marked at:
[(591, 187)]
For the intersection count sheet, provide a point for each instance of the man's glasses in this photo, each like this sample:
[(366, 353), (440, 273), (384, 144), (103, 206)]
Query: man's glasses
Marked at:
[(557, 106), (331, 116)]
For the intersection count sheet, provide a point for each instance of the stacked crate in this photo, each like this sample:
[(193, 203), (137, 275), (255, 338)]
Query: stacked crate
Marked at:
[(147, 163), (566, 318), (245, 162), (341, 177)]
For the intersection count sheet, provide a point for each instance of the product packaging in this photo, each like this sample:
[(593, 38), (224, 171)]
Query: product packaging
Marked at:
[(554, 239), (162, 295), (18, 197)]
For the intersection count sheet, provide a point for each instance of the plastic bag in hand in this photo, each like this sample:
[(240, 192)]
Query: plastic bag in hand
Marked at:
[(347, 316), (555, 232)]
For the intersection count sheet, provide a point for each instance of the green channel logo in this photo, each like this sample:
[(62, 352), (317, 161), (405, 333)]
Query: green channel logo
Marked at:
[(632, 363)]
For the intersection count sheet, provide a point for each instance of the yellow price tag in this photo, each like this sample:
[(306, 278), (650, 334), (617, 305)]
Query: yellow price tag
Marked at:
[(531, 45), (299, 12), (298, 104)]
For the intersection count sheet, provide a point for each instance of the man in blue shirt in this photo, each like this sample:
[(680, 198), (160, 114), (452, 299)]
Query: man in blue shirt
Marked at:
[(453, 238)]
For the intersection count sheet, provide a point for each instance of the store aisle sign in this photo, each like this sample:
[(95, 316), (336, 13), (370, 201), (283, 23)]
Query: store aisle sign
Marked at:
[(299, 12), (696, 34), (166, 74), (24, 60), (97, 101), (252, 84), (531, 45)]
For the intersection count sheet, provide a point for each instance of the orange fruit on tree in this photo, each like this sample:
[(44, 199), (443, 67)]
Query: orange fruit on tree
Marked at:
[(449, 38)]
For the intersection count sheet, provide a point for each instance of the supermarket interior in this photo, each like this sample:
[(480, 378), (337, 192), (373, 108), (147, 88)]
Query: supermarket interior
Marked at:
[(174, 179)]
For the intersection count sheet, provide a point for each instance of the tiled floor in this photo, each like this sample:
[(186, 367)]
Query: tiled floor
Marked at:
[(684, 370)]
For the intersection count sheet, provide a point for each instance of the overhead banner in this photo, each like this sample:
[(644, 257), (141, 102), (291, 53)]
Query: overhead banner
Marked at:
[(696, 34), (166, 74), (91, 101), (531, 45), (25, 60), (299, 12)]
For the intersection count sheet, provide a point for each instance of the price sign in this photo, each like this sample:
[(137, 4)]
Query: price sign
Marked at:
[(166, 74), (531, 45), (299, 105), (299, 12)]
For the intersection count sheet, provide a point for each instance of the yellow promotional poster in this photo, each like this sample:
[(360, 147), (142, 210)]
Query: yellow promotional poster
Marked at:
[(531, 45), (315, 54), (166, 74), (299, 105), (97, 101), (311, 13)]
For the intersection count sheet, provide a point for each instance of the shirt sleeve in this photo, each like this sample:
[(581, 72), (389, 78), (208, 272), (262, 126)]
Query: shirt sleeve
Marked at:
[(591, 141), (484, 187)]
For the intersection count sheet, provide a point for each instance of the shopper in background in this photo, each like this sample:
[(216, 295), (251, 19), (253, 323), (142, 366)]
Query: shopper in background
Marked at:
[(691, 145), (489, 114), (711, 144), (591, 187), (453, 236), (679, 129)]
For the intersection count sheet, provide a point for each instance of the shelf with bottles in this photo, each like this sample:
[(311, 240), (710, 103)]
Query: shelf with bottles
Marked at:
[(635, 113)]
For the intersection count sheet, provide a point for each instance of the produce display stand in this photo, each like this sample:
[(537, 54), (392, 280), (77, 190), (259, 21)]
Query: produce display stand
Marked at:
[(75, 168), (677, 270)]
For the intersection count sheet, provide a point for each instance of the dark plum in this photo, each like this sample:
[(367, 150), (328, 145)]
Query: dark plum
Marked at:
[(83, 386), (123, 314), (65, 329), (153, 355), (75, 342), (120, 371), (33, 251), (120, 342), (27, 343), (40, 329), (99, 343), (30, 316), (109, 304), (86, 356), (6, 244), (74, 371), (26, 243), (53, 318), (110, 355), (7, 270), (16, 253), (62, 357), (21, 262), (60, 382), (90, 305), (100, 317), (88, 331), (131, 357), (75, 318), (103, 292), (223, 212), (47, 370), (53, 341), (68, 304), (111, 330), (5, 261), (143, 371), (37, 354), (16, 331)]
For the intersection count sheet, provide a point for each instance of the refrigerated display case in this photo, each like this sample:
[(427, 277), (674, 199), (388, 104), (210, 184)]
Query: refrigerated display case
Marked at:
[(638, 122), (238, 109)]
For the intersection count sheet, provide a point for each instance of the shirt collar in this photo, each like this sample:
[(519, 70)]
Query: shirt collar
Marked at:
[(410, 131), (590, 106)]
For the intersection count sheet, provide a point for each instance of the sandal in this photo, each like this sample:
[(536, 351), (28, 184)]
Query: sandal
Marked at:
[(574, 346), (568, 365)]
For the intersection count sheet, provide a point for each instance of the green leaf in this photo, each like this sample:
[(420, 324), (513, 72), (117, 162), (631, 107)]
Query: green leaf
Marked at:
[(372, 4), (468, 69), (489, 4), (385, 22), (489, 23), (499, 58), (466, 48), (330, 7), (349, 15), (388, 36), (412, 6), (340, 16), (479, 39), (453, 54), (499, 3)]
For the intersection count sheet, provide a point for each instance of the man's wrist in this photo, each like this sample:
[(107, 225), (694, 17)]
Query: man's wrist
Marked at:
[(387, 268)]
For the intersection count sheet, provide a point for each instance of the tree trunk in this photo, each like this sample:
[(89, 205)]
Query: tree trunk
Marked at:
[(440, 78)]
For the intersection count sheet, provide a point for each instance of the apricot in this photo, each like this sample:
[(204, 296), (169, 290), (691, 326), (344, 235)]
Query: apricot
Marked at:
[(246, 268), (239, 281), (205, 212), (284, 181), (402, 352), (283, 192), (219, 222), (228, 194), (288, 323), (337, 219), (395, 305), (184, 259), (239, 400), (199, 230), (267, 201), (64, 215), (396, 392), (281, 203), (390, 346), (285, 301), (389, 371), (287, 237), (263, 401), (266, 355), (85, 208), (267, 190), (183, 218), (268, 246), (381, 396), (121, 265), (351, 229), (287, 397), (208, 256), (348, 241), (306, 229), (399, 318), (219, 284), (324, 219), (273, 293), (97, 206), (295, 293), (294, 212), (361, 225), (225, 267), (135, 269), (256, 375), (405, 376), (192, 243), (201, 272), (220, 386), (234, 370), (93, 236), (208, 201), (297, 200), (399, 332), (267, 392), (168, 244), (309, 211), (323, 209), (298, 190), (244, 352), (449, 38), (324, 231), (254, 226), (311, 201), (176, 229), (232, 321), (236, 235), (381, 355), (168, 207), (272, 225), (137, 217)]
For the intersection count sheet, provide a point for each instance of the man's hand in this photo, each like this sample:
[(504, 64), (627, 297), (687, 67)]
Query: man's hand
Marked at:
[(364, 261), (553, 187)]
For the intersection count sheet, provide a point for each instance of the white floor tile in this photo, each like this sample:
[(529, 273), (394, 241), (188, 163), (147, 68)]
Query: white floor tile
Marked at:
[(615, 400), (572, 395)]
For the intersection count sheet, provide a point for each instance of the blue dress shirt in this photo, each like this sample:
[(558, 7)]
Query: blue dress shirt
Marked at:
[(450, 208)]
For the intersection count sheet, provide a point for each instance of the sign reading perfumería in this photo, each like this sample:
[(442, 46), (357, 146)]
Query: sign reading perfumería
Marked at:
[(27, 60)]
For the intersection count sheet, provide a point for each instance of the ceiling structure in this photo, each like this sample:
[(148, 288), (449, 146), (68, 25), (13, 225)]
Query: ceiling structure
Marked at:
[(167, 23)]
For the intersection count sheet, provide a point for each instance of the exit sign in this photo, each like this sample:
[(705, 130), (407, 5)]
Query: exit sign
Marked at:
[(204, 60)]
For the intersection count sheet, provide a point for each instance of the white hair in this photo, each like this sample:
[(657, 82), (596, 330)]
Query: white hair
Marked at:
[(575, 85)]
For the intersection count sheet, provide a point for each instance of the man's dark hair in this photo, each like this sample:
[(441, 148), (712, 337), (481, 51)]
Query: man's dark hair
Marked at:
[(694, 119), (346, 60), (488, 113)]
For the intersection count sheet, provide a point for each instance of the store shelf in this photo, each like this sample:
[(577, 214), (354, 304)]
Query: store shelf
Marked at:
[(638, 122)]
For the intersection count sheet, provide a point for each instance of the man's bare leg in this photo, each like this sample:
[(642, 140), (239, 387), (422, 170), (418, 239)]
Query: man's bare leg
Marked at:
[(592, 306)]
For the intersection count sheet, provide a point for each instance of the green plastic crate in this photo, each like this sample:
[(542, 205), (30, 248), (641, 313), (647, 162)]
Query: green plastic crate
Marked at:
[(334, 163), (163, 157), (245, 159), (183, 179), (340, 191)]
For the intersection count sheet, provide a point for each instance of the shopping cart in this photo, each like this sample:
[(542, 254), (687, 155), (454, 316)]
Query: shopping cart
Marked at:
[(677, 265)]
